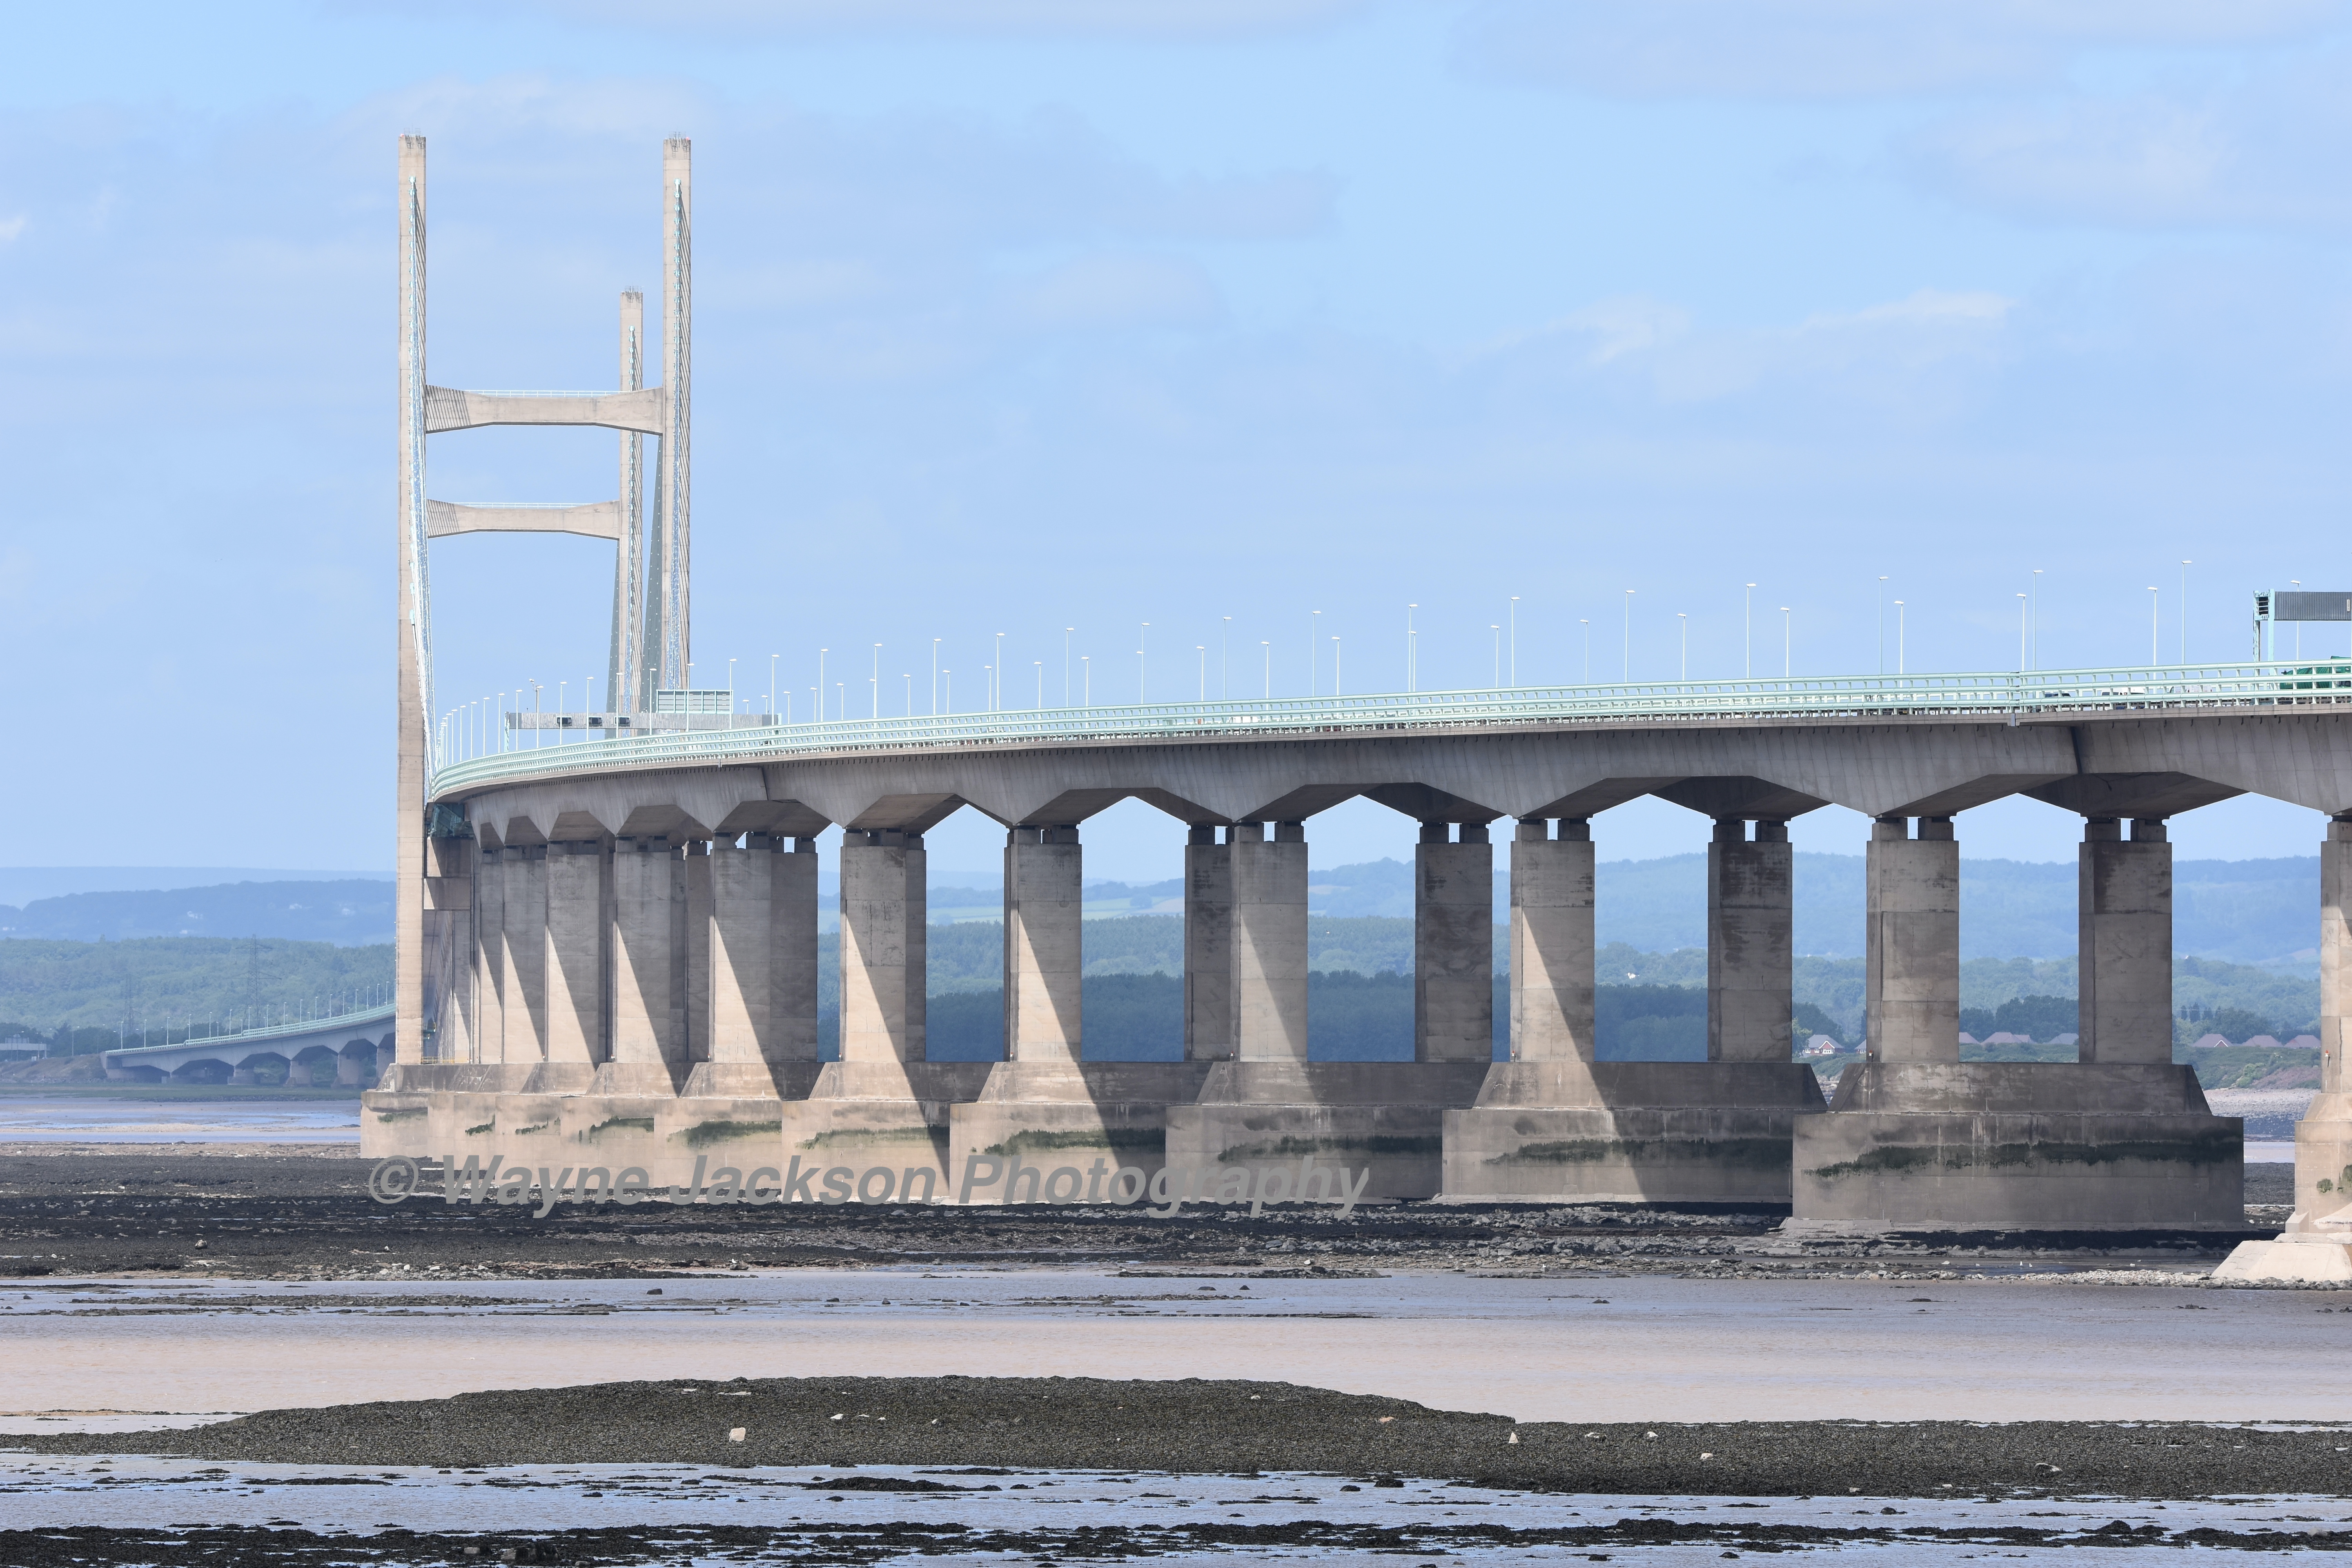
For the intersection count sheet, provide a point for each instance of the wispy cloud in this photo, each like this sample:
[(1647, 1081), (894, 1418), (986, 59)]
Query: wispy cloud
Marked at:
[(2264, 148), (1842, 48), (983, 19)]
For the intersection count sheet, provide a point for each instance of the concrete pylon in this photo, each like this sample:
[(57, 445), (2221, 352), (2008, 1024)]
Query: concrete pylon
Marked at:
[(1749, 942), (621, 680), (669, 643), (1912, 942), (2323, 1139), (489, 955), (1453, 945), (792, 973), (1044, 876), (648, 951), (883, 900), (575, 957), (1551, 941), (1269, 938), (412, 705), (2124, 914), (741, 944), (525, 925), (695, 956), (1208, 946)]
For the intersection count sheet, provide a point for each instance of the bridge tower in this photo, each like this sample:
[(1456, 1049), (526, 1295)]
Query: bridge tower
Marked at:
[(652, 637)]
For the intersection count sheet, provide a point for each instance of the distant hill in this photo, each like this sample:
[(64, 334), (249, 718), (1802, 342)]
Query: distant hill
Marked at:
[(348, 913)]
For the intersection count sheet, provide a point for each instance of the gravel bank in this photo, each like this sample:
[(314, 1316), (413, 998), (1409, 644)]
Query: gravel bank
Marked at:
[(1200, 1426)]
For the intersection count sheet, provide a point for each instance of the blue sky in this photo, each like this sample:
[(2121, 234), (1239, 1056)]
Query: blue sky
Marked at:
[(1021, 314)]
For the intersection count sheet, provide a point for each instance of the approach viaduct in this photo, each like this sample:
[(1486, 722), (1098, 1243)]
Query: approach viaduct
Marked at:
[(607, 946)]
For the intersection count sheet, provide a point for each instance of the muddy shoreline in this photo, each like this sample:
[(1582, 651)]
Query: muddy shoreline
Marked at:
[(269, 1213)]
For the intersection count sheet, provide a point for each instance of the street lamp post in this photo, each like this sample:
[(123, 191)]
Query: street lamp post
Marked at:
[(1412, 651), (1788, 644), (1682, 618), (1268, 646)]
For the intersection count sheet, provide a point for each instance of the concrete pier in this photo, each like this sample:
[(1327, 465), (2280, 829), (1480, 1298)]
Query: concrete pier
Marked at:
[(2124, 910), (1750, 920), (1208, 946), (1918, 1141), (525, 928), (1070, 1123), (791, 1038), (575, 951), (882, 1103), (1553, 1125), (489, 955), (2316, 1247), (1453, 945), (1269, 942), (1044, 900), (648, 1001), (883, 902), (1551, 942), (1912, 942)]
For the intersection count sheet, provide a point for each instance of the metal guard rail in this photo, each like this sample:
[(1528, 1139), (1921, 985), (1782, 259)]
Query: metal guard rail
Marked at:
[(2265, 684), (381, 1014)]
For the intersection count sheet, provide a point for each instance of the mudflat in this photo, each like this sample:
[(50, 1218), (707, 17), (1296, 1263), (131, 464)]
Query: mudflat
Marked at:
[(267, 1212)]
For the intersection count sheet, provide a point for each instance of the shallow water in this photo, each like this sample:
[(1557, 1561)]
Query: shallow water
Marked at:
[(1165, 1518), (1645, 1349), (58, 1119)]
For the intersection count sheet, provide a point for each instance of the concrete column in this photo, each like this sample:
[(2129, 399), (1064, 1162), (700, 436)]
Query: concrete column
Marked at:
[(1208, 947), (791, 973), (450, 945), (1551, 942), (1750, 981), (575, 942), (695, 935), (490, 955), (740, 939), (1453, 945), (1043, 937), (1912, 995), (882, 912), (525, 928), (2335, 953), (2123, 907), (1269, 937), (648, 912)]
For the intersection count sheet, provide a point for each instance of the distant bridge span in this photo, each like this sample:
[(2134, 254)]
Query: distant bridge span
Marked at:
[(359, 1044)]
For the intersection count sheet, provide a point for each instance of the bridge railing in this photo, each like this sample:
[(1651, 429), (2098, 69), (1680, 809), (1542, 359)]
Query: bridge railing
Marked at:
[(762, 738)]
